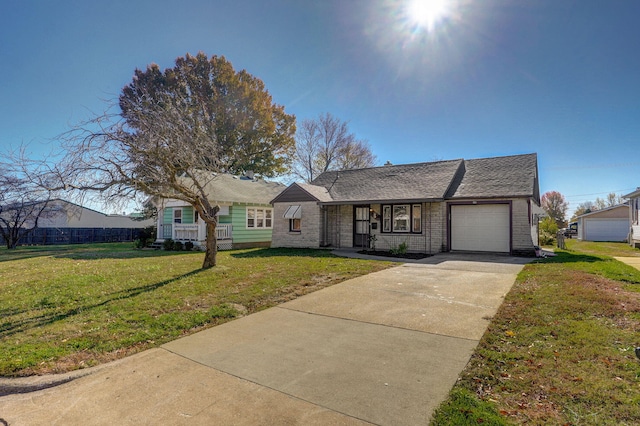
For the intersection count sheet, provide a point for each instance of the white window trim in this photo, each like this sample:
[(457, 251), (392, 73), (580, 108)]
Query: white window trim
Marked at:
[(260, 213)]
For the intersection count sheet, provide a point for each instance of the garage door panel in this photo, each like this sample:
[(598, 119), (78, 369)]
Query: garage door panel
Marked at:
[(480, 227), (606, 229)]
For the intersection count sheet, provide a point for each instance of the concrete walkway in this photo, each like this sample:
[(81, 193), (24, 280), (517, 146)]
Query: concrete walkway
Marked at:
[(632, 261), (384, 349)]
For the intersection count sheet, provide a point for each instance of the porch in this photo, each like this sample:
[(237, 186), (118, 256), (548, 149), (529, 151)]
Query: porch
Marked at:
[(197, 232)]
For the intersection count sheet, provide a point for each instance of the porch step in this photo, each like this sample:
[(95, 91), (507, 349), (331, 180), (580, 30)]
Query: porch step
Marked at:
[(156, 246)]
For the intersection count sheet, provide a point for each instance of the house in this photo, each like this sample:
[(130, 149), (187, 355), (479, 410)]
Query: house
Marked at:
[(245, 218), (64, 222), (486, 204), (634, 225), (609, 224)]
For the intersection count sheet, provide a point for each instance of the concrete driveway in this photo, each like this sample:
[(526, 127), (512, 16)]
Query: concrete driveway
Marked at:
[(384, 349)]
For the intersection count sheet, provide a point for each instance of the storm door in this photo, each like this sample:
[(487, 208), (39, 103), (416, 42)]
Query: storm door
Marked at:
[(361, 227)]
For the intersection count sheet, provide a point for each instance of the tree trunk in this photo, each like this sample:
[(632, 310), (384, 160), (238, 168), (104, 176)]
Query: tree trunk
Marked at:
[(212, 246)]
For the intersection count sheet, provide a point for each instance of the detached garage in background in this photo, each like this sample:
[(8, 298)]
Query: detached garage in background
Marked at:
[(610, 224)]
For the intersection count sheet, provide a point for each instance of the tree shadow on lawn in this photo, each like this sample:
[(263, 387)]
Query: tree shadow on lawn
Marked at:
[(283, 252), (568, 257), (78, 252), (8, 328)]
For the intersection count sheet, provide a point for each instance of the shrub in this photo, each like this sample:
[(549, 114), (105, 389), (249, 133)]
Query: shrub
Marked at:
[(188, 246), (168, 244), (178, 246)]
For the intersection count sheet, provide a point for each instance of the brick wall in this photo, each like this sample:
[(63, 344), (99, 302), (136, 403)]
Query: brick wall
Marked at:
[(310, 223)]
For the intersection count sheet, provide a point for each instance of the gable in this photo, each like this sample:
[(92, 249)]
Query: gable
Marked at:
[(294, 193)]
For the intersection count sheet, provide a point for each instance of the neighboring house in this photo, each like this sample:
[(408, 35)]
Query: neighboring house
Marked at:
[(64, 222), (486, 204), (609, 224), (245, 218), (634, 225)]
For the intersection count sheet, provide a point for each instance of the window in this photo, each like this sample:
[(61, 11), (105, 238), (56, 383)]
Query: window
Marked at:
[(294, 225), (259, 218), (386, 219), (402, 218), (177, 215), (416, 215)]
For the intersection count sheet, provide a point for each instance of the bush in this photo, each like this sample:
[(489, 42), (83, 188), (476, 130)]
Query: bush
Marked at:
[(178, 246), (140, 243), (168, 244), (400, 250), (188, 246)]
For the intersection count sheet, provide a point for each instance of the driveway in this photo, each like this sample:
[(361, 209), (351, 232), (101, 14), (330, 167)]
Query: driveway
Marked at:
[(384, 349)]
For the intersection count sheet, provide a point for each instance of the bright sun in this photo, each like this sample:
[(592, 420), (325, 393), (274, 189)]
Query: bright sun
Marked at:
[(426, 13)]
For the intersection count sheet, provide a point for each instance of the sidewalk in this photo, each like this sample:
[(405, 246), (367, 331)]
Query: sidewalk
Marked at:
[(384, 349)]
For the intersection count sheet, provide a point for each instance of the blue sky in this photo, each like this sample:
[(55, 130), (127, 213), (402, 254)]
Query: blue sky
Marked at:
[(490, 78)]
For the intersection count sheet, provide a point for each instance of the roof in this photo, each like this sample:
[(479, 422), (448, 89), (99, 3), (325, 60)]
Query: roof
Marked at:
[(495, 177), (420, 181), (510, 176), (633, 194), (226, 188), (607, 211)]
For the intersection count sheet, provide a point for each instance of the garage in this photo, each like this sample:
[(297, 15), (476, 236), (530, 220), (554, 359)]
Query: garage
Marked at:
[(481, 227), (609, 224), (606, 229)]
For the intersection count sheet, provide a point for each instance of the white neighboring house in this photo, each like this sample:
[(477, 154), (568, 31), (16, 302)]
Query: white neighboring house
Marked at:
[(64, 222), (609, 224), (64, 214), (634, 224)]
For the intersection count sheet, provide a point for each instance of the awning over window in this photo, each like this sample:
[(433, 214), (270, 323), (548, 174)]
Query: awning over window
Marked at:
[(293, 212)]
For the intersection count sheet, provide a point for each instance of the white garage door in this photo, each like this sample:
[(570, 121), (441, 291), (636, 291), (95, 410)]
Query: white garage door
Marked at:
[(480, 227), (606, 229)]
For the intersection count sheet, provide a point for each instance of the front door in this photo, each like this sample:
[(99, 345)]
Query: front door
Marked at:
[(361, 227)]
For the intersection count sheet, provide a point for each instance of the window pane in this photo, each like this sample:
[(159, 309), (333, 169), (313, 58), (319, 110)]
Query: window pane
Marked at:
[(267, 221), (259, 218), (416, 214), (386, 219), (294, 224), (401, 218), (251, 215), (177, 216)]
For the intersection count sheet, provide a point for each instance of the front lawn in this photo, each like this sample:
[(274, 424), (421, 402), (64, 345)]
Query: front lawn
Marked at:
[(69, 307), (560, 350)]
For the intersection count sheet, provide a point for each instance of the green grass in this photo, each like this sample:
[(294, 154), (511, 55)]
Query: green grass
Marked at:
[(69, 307), (560, 350)]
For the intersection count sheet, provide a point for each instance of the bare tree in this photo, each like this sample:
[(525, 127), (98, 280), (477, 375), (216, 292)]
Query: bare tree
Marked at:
[(176, 129), (22, 205), (325, 143), (554, 204)]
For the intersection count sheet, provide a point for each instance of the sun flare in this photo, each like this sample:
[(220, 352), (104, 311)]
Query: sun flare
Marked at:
[(427, 13)]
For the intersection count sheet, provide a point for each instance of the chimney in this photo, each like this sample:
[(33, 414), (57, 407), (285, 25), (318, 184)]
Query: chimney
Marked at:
[(388, 163)]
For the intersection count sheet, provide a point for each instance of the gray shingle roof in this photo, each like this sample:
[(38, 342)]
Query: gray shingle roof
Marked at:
[(504, 177), (420, 181), (226, 188), (510, 176)]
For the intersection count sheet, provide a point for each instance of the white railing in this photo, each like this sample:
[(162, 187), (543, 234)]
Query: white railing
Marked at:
[(185, 232), (197, 231), (224, 231)]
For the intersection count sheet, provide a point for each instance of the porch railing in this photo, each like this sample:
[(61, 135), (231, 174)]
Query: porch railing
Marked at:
[(194, 231)]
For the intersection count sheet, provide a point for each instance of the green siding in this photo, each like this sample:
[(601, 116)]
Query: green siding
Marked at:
[(168, 215), (241, 234), (187, 214)]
